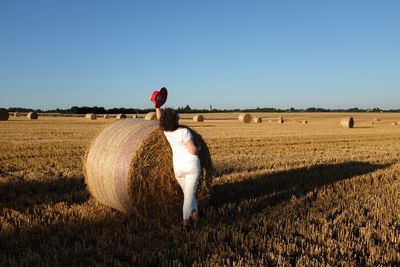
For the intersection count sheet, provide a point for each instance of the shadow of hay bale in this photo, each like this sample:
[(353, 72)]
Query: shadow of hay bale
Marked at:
[(292, 182)]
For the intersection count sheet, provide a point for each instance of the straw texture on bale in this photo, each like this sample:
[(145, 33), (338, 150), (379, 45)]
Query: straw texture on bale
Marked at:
[(198, 118), (347, 122), (17, 114), (151, 116), (129, 167), (106, 116), (32, 116), (4, 114), (121, 116), (257, 120), (245, 117), (91, 116)]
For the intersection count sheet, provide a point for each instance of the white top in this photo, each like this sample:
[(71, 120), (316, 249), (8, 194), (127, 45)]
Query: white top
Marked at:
[(178, 139)]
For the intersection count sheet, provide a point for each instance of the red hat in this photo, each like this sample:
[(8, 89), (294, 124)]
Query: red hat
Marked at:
[(160, 97)]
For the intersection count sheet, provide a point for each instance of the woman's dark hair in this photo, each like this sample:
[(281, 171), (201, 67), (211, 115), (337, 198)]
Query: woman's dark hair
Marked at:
[(169, 120)]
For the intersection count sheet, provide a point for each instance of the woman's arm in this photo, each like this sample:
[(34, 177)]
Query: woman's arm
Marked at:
[(158, 113), (193, 149)]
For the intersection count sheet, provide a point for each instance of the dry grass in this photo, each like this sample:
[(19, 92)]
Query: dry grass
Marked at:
[(290, 194)]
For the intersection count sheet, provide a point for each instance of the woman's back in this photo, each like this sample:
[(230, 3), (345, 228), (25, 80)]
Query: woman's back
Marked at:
[(178, 140)]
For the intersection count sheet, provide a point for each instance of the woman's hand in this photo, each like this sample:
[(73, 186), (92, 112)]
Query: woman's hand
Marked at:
[(193, 149), (199, 147)]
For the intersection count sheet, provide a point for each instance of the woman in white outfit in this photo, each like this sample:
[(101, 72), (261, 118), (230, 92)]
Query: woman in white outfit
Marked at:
[(186, 162)]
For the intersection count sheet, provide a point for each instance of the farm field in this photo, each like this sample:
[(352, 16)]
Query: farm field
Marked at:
[(288, 194)]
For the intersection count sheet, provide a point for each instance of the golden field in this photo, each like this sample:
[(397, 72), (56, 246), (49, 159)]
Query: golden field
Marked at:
[(288, 194)]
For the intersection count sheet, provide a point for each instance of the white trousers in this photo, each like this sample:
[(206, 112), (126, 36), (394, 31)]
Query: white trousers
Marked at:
[(187, 174)]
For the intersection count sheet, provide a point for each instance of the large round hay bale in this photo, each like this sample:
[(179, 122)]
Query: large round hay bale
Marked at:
[(198, 118), (17, 114), (151, 116), (121, 116), (32, 116), (245, 118), (347, 122), (4, 114), (129, 167), (91, 116), (257, 120)]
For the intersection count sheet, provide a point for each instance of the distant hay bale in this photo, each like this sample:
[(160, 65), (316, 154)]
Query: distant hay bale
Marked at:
[(129, 167), (17, 114), (304, 122), (134, 116), (377, 119), (245, 118), (4, 115), (394, 123), (347, 122), (106, 116), (121, 116), (198, 118), (151, 116), (280, 120), (32, 116), (257, 120), (91, 116)]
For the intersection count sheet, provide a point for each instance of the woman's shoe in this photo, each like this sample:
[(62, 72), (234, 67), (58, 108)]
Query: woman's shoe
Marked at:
[(195, 216), (185, 225)]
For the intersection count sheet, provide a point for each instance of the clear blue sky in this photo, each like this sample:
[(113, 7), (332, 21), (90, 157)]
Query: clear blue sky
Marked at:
[(231, 54)]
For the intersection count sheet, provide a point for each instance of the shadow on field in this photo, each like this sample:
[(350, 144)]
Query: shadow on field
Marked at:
[(281, 186), (113, 239), (22, 194)]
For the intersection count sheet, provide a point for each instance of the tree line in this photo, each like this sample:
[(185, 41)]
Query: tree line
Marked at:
[(188, 109)]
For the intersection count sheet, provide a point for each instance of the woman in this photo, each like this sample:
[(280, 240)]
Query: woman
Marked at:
[(186, 162)]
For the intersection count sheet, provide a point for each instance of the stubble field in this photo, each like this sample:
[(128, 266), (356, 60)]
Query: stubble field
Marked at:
[(287, 194)]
